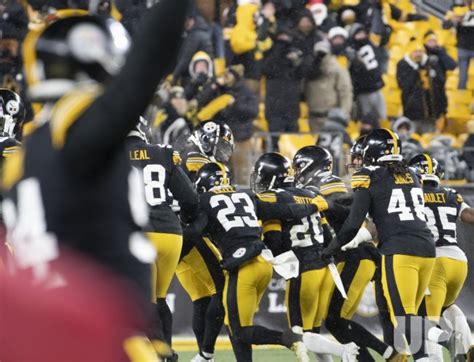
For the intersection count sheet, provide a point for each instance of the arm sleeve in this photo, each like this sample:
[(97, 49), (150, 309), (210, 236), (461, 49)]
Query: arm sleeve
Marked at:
[(272, 236), (183, 191), (359, 210), (196, 229), (282, 211), (97, 133)]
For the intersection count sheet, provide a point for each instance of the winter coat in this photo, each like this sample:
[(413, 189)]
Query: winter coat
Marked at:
[(241, 114), (328, 86), (283, 81), (198, 39), (422, 86)]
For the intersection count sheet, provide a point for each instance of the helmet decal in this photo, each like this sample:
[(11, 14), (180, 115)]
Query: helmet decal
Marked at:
[(12, 107)]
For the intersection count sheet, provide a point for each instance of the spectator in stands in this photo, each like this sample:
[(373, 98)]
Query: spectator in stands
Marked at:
[(171, 121), (239, 116), (438, 54), (327, 86), (198, 37), (468, 149), (320, 15), (461, 17), (366, 75), (405, 129), (249, 26), (201, 72), (338, 37), (284, 70), (13, 27), (422, 84), (287, 12)]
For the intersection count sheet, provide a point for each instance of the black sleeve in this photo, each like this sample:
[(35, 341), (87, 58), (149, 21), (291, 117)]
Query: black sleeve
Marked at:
[(97, 133), (183, 191), (281, 211), (407, 77), (446, 61), (360, 208), (195, 230)]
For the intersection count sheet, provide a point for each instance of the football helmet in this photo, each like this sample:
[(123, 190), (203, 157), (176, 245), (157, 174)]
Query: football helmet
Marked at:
[(271, 171), (382, 145), (12, 113), (73, 49), (311, 163), (357, 153), (142, 130), (214, 140), (427, 167), (211, 175)]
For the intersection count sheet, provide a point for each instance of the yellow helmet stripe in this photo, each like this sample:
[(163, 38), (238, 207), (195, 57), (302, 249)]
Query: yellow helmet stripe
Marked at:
[(396, 149), (430, 163), (29, 56), (224, 173)]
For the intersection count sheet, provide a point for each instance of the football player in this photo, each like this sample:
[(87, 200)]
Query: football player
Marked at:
[(199, 271), (12, 115), (390, 192), (163, 180), (313, 167), (73, 186), (229, 217), (443, 207), (273, 179)]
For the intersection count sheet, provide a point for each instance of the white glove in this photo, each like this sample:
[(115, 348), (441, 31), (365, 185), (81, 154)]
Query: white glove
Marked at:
[(362, 236), (351, 350)]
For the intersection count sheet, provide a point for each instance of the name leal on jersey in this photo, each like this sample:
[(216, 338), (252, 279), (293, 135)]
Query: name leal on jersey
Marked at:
[(139, 155), (435, 198)]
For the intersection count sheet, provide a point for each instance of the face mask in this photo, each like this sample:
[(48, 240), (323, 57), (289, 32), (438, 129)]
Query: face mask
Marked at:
[(338, 49)]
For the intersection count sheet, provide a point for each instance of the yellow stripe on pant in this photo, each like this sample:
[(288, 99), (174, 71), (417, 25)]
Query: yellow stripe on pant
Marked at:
[(168, 247), (243, 291), (447, 280), (194, 276), (404, 281), (302, 298)]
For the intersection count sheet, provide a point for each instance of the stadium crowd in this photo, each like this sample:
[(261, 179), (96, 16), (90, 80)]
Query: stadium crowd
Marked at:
[(374, 85), (340, 67)]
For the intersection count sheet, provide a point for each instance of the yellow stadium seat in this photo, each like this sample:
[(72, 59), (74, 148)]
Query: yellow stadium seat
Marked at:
[(400, 37), (261, 123), (390, 81), (452, 82), (303, 125), (459, 110), (453, 52), (459, 96), (291, 143), (394, 110), (392, 68), (396, 52), (471, 68), (470, 82)]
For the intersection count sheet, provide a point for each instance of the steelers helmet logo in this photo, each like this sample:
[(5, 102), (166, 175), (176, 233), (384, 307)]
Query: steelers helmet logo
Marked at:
[(210, 127), (12, 107), (240, 252)]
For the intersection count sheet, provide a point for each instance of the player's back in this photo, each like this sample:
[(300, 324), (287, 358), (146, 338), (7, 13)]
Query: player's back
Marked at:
[(232, 221), (442, 208), (397, 209), (90, 214), (156, 163)]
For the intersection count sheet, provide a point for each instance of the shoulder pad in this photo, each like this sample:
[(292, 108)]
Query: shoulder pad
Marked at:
[(68, 109), (174, 155), (195, 160), (332, 184), (361, 178), (267, 196)]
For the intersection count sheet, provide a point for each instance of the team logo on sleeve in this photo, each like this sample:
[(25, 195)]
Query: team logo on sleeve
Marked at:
[(240, 252)]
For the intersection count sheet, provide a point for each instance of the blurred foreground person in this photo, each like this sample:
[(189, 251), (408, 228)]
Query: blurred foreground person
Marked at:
[(72, 187), (96, 329)]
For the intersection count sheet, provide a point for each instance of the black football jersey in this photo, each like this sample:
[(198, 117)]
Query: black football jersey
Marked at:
[(442, 208), (163, 179), (296, 233), (397, 209), (232, 222), (49, 204)]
